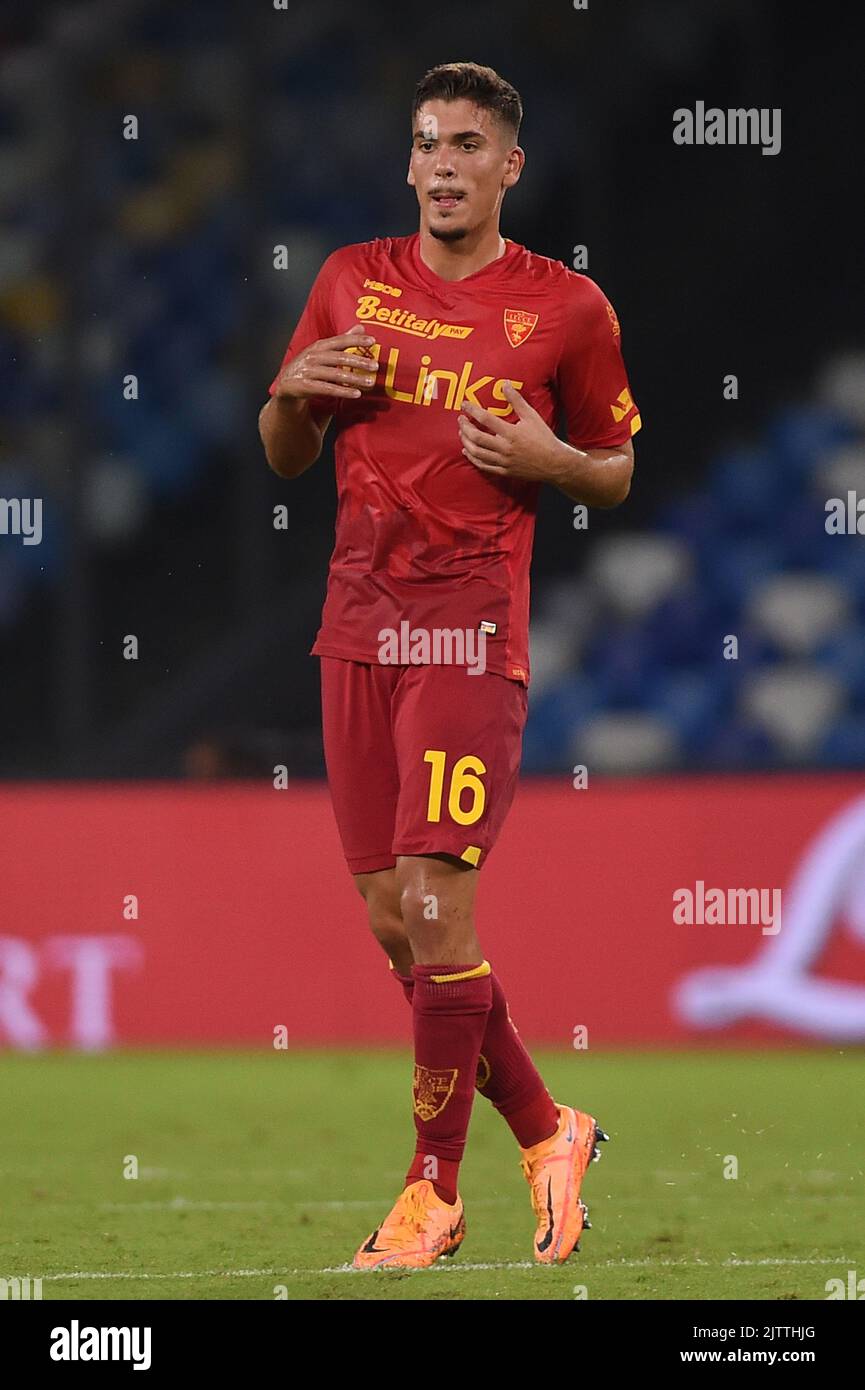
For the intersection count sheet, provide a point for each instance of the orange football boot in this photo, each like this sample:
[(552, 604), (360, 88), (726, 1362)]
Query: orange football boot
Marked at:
[(555, 1169), (419, 1228)]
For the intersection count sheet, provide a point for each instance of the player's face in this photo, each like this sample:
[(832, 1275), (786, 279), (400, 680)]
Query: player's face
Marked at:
[(461, 163)]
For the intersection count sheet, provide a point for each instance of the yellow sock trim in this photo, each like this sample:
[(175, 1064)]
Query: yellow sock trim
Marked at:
[(476, 973)]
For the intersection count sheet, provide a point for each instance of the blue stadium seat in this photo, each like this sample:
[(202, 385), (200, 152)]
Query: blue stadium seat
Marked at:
[(552, 719), (844, 746), (688, 627), (696, 519), (802, 534), (619, 659), (800, 435), (845, 656), (746, 484), (735, 745), (733, 567), (692, 700)]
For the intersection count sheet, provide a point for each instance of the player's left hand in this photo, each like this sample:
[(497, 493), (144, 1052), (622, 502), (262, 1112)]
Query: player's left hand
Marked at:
[(528, 449)]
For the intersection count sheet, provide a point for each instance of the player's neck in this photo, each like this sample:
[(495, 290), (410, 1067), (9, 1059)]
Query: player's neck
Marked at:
[(454, 260)]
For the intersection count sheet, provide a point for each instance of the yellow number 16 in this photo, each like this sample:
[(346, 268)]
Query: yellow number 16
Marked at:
[(463, 777)]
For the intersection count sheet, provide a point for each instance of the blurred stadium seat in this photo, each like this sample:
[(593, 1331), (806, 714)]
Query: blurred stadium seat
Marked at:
[(746, 556)]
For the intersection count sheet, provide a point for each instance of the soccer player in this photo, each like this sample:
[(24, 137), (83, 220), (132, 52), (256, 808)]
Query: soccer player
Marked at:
[(442, 359)]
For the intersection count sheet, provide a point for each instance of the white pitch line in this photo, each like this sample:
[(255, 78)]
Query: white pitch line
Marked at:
[(187, 1204), (341, 1206), (450, 1268), (184, 1204), (180, 1274), (719, 1264), (602, 1264), (383, 1201)]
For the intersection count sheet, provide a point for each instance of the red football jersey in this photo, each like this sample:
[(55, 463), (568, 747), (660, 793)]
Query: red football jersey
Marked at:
[(421, 534)]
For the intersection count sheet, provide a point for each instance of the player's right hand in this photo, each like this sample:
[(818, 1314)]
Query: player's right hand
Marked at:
[(327, 368)]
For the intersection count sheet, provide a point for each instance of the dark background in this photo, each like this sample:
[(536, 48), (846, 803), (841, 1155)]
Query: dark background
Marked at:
[(259, 127)]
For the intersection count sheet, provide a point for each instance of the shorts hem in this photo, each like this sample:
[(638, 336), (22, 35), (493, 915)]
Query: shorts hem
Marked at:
[(370, 863), (472, 854)]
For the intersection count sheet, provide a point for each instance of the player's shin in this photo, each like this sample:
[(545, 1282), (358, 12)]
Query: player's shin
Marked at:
[(450, 1007), (506, 1074)]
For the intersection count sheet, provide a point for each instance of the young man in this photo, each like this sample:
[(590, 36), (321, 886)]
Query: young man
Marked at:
[(443, 358)]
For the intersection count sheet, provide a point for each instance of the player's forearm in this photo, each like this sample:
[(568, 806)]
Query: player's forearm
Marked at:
[(291, 438), (595, 477)]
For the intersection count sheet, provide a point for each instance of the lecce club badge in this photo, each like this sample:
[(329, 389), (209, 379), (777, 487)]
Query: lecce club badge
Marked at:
[(519, 324), (432, 1090)]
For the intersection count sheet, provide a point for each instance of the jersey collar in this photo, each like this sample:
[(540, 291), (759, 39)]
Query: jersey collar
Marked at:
[(493, 269)]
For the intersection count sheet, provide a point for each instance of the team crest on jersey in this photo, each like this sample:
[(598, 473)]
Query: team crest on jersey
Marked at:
[(432, 1090), (519, 324)]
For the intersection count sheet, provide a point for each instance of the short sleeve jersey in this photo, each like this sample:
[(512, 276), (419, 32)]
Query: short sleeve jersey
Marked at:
[(422, 536)]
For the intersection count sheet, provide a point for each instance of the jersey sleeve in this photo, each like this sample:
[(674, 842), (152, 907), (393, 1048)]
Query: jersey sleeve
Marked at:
[(591, 380), (315, 322)]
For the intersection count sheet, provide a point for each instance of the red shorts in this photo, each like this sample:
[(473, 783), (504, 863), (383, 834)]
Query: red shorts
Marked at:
[(420, 759)]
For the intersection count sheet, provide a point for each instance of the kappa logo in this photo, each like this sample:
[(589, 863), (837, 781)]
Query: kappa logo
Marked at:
[(432, 1090), (382, 289), (519, 325), (827, 894), (484, 1072), (625, 403)]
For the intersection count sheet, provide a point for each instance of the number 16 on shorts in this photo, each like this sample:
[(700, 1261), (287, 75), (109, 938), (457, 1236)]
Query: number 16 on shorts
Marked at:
[(466, 793)]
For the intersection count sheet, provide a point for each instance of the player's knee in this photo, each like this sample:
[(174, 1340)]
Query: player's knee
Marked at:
[(381, 896), (389, 932), (433, 889), (428, 911), (436, 905), (423, 913)]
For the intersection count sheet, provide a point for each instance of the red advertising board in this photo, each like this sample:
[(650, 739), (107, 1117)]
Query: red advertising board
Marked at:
[(647, 912)]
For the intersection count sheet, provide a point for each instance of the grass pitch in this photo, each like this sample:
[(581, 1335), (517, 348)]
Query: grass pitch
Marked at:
[(260, 1173)]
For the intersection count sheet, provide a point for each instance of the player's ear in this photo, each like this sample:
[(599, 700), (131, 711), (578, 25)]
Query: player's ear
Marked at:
[(516, 160)]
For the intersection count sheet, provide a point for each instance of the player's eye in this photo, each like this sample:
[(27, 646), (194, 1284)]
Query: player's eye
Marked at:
[(425, 146), (469, 145)]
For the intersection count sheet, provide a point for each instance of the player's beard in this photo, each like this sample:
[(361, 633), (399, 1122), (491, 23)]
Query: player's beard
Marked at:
[(448, 233)]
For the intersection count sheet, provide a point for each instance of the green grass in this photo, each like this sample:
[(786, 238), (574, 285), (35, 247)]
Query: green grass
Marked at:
[(266, 1169)]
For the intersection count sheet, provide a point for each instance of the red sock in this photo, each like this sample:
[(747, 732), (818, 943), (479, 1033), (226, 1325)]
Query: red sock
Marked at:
[(506, 1074), (407, 983), (450, 1016)]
